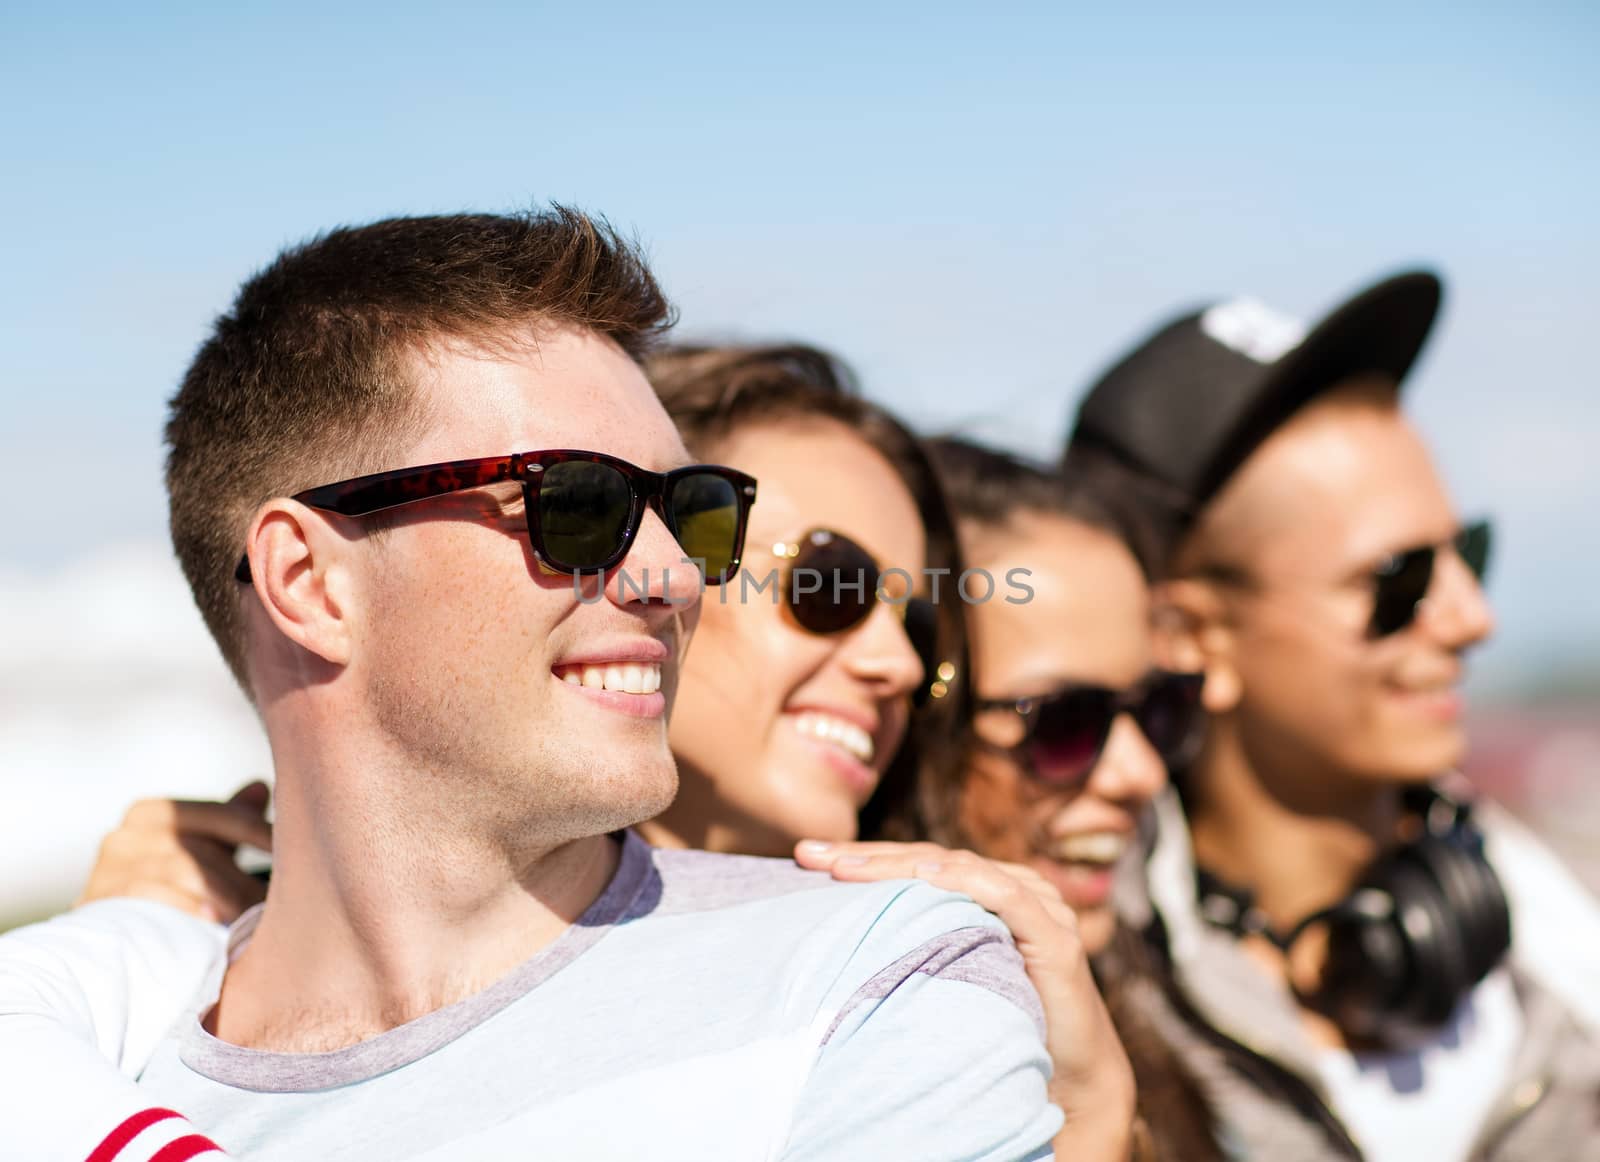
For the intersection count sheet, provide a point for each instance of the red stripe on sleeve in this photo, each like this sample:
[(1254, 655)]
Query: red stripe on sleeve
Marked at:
[(130, 1129), (185, 1148)]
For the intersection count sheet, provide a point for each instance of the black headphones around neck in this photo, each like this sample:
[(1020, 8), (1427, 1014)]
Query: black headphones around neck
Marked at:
[(1426, 922)]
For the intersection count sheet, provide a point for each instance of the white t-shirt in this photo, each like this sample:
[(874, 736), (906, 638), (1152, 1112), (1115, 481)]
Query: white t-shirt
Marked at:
[(704, 1007), (1430, 1101)]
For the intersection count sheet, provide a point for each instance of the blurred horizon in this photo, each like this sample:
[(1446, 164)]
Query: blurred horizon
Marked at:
[(978, 210)]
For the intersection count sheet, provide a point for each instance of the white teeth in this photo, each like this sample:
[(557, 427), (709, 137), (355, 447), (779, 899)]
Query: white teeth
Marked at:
[(626, 678), (1093, 847), (847, 736)]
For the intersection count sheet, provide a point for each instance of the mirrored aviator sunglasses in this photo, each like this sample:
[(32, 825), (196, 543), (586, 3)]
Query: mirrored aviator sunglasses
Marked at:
[(1402, 581), (1065, 733), (832, 584)]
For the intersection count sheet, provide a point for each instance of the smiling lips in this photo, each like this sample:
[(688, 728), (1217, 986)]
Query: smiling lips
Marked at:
[(618, 677), (847, 736), (1095, 847), (1080, 865)]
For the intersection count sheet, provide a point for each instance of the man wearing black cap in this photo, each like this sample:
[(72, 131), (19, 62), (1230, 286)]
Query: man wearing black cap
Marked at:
[(1337, 924)]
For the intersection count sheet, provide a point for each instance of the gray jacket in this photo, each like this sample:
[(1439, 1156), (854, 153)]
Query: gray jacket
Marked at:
[(1239, 1030)]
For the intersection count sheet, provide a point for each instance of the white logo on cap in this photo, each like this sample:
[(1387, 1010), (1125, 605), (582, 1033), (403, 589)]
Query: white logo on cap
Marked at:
[(1253, 329)]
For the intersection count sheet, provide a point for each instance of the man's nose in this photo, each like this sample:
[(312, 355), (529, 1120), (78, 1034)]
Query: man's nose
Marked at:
[(1457, 610), (656, 569)]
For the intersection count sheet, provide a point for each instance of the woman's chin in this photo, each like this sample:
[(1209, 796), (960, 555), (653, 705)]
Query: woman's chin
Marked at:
[(832, 823), (1086, 889), (1095, 929), (773, 828)]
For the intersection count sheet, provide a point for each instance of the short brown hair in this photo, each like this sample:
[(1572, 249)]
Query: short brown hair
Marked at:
[(303, 381), (713, 391)]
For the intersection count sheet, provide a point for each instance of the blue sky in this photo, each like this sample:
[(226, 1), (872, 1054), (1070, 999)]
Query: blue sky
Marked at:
[(978, 207)]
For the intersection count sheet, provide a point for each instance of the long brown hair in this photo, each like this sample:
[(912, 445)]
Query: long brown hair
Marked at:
[(712, 391)]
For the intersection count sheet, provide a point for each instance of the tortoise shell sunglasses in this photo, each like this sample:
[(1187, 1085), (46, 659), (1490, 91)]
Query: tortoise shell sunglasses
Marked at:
[(584, 508)]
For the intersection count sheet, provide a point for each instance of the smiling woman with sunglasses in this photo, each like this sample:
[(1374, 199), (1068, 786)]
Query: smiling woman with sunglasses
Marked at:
[(1072, 726), (798, 691), (1064, 733)]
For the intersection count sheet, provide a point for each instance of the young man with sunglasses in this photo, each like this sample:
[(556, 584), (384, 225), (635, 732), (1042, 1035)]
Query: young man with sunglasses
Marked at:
[(1336, 923), (450, 543)]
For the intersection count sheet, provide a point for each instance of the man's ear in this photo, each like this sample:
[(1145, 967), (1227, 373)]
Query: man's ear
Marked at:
[(1192, 633), (297, 566)]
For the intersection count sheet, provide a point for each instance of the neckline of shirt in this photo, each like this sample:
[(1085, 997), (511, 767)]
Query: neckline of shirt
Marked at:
[(266, 1071)]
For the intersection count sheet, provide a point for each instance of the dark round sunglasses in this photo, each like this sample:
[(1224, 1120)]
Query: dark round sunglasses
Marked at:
[(1065, 733), (584, 508), (832, 584), (1401, 581)]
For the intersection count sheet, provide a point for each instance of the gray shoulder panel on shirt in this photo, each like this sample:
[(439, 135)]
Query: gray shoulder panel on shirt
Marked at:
[(978, 956)]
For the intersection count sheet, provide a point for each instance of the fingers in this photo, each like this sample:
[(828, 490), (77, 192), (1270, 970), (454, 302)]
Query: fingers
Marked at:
[(1030, 906), (129, 865), (962, 871), (1041, 924), (815, 853), (240, 820), (254, 795), (197, 876), (228, 890), (182, 853)]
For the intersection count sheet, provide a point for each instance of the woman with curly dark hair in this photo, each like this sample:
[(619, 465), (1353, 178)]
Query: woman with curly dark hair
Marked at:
[(1071, 736)]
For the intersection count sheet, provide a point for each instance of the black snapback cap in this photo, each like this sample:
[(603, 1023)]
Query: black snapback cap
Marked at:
[(1188, 406)]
